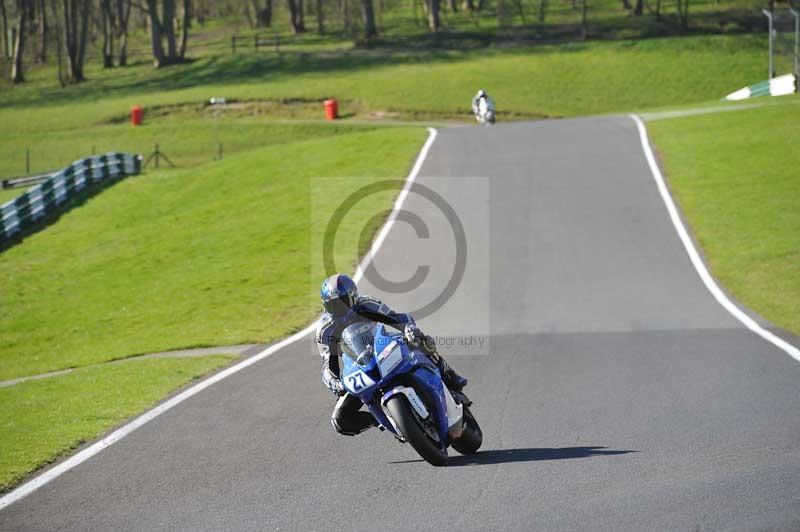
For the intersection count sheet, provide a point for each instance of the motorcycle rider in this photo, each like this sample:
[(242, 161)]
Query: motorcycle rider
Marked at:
[(481, 95), (344, 306)]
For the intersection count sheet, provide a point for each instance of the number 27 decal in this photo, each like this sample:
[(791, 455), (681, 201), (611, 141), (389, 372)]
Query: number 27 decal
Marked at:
[(357, 381)]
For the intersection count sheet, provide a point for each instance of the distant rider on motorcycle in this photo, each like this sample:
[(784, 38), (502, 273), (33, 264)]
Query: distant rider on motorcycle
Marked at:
[(476, 101), (343, 306)]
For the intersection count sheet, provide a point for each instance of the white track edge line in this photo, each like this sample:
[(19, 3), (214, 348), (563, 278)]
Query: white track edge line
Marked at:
[(58, 470), (694, 256), (398, 203)]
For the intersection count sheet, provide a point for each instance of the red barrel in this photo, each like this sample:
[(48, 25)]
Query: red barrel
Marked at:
[(136, 115), (331, 109)]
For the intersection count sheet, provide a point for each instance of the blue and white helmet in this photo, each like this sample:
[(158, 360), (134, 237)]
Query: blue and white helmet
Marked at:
[(338, 293)]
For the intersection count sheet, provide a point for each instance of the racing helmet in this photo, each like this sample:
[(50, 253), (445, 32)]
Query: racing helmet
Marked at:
[(338, 294)]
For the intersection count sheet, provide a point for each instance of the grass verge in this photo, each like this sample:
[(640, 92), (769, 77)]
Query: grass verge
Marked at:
[(44, 419), (735, 176), (213, 255), (235, 266)]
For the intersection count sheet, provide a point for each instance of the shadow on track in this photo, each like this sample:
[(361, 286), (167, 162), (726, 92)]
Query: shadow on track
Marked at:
[(505, 456)]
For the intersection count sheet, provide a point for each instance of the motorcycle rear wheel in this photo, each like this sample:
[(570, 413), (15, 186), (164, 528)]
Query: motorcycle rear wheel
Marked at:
[(471, 438), (400, 410)]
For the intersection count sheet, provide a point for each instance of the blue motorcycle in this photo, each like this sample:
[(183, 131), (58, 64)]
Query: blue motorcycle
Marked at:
[(403, 390)]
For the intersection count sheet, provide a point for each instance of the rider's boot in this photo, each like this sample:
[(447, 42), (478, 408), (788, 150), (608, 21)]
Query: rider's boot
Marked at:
[(453, 380)]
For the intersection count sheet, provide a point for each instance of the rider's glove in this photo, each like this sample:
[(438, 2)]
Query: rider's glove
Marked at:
[(336, 387), (429, 343), (413, 334)]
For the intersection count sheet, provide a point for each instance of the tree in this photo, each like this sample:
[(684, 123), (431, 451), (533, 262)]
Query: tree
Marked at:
[(54, 11), (17, 65), (658, 10), (368, 12), (159, 57), (320, 17), (108, 23), (682, 8), (433, 15), (186, 23), (4, 17), (542, 11), (76, 21), (584, 24), (639, 7), (123, 16), (263, 14), (162, 29), (168, 28), (43, 33), (296, 16)]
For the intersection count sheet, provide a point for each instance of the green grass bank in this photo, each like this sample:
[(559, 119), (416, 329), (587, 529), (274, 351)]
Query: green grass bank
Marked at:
[(735, 177)]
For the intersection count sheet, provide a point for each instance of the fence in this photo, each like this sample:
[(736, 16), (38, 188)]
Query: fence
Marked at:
[(22, 213), (256, 41)]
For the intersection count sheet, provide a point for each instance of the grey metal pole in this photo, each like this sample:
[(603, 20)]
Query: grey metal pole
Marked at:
[(796, 49), (769, 17)]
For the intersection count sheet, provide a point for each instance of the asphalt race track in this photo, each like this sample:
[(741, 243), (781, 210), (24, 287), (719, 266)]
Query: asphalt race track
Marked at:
[(614, 392)]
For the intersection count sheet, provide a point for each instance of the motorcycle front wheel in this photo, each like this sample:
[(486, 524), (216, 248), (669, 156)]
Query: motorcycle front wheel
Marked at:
[(413, 432)]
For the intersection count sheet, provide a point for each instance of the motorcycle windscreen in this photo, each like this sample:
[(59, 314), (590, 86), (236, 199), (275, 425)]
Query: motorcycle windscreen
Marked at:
[(357, 343)]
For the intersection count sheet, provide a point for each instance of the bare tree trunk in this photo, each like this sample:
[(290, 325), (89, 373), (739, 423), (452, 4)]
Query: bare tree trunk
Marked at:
[(682, 8), (301, 7), (4, 16), (584, 25), (159, 57), (469, 5), (43, 31), (296, 16), (639, 7), (267, 13), (76, 71), (454, 6), (187, 22), (17, 75), (108, 34), (123, 16), (433, 15), (320, 17), (263, 15), (76, 31), (368, 13), (168, 27)]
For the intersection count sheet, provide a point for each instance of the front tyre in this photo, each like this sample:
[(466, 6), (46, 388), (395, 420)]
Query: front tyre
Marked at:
[(471, 438), (409, 425)]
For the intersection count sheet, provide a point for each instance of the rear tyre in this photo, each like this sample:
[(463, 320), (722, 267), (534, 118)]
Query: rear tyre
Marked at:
[(408, 423), (471, 438)]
